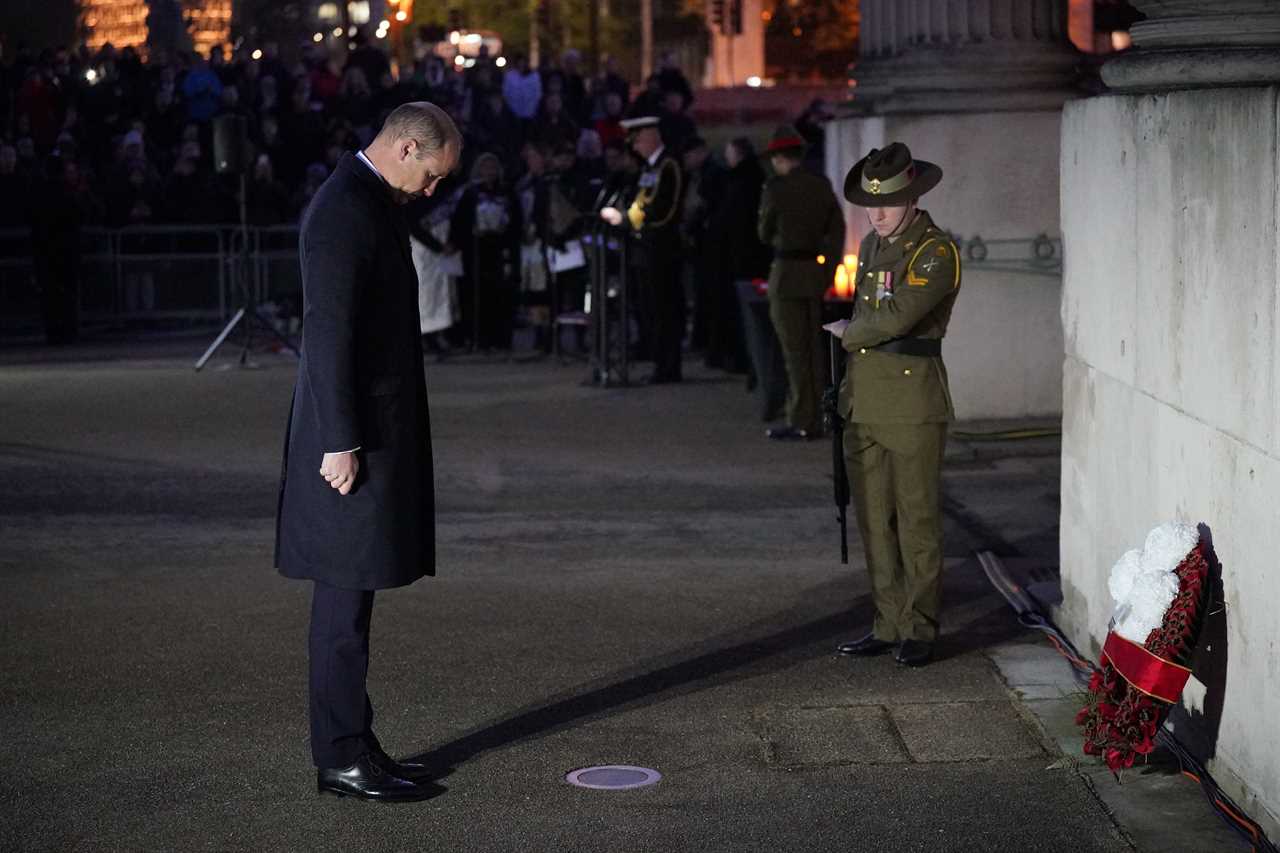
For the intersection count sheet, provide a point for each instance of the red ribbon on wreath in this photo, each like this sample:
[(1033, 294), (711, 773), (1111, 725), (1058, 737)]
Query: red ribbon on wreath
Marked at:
[(1153, 675), (1130, 694)]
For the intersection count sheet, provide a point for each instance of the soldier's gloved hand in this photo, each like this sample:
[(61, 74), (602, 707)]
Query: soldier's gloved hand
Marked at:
[(831, 409), (831, 401)]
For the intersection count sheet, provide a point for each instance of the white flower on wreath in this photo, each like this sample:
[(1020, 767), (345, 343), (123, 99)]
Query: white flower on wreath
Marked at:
[(1143, 583)]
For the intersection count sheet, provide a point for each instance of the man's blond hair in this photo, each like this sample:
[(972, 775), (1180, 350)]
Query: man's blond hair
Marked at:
[(424, 123)]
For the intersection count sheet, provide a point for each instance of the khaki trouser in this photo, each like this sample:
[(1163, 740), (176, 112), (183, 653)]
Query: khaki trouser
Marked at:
[(894, 481), (798, 322)]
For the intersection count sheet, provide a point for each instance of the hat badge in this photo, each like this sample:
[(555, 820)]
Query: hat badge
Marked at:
[(874, 186)]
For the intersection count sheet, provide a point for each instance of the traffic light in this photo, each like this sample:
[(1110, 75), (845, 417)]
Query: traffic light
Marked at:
[(735, 18), (718, 15)]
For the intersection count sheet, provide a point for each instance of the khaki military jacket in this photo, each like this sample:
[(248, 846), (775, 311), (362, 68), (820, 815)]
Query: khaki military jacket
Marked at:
[(902, 289), (801, 219)]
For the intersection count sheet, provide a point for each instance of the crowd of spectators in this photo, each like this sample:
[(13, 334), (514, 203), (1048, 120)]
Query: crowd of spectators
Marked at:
[(109, 139), (132, 140)]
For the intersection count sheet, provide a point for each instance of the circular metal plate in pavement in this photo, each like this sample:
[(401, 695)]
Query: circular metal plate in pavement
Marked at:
[(613, 777)]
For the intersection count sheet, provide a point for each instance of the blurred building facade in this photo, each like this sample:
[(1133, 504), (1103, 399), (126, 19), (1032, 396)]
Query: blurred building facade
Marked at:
[(737, 42), (978, 87), (123, 23)]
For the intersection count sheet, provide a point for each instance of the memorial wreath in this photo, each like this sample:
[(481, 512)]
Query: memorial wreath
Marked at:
[(1160, 594)]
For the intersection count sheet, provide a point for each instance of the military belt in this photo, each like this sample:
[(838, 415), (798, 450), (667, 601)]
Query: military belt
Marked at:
[(926, 347)]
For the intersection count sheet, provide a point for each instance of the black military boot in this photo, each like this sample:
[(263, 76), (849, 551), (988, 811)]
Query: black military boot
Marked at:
[(914, 653), (865, 646)]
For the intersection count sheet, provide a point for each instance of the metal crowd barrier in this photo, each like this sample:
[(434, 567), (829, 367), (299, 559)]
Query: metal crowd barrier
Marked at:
[(155, 274)]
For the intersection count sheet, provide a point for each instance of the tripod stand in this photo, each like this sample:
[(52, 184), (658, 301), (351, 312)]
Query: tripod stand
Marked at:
[(248, 311)]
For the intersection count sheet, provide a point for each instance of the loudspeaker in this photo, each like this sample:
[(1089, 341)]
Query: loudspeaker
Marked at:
[(230, 145)]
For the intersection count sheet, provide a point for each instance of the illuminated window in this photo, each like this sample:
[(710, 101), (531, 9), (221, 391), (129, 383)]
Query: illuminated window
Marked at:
[(124, 23), (210, 23), (121, 22)]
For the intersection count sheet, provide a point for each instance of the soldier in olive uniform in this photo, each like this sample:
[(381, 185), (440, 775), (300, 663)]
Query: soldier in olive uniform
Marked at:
[(895, 399), (654, 219), (801, 219)]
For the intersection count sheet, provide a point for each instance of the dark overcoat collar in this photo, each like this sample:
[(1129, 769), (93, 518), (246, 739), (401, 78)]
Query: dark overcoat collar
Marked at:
[(366, 178), (378, 188)]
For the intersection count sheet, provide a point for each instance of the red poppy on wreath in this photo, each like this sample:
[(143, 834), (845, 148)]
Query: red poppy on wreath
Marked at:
[(1159, 593)]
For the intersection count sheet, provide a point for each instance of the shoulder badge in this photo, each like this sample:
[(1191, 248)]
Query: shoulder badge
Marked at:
[(918, 271)]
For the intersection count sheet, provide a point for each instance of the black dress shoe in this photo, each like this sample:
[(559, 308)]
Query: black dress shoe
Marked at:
[(914, 653), (412, 770), (367, 779), (786, 433), (865, 646)]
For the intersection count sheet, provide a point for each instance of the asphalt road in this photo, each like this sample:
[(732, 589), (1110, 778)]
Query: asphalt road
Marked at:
[(626, 577)]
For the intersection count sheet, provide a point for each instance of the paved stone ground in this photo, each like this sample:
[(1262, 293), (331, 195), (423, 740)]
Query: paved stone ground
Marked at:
[(625, 577)]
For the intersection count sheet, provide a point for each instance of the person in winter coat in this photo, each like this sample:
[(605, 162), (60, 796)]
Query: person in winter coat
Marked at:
[(486, 228)]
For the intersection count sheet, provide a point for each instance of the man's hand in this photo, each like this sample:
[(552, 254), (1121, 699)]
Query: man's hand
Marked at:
[(837, 328), (611, 215), (339, 470)]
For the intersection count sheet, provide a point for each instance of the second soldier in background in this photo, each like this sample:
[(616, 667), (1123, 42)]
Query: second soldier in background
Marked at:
[(801, 219)]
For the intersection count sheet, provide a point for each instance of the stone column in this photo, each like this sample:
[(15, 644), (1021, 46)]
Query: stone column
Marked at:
[(1187, 44), (963, 56), (976, 86)]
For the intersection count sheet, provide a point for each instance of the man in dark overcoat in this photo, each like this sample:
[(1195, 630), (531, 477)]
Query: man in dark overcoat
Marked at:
[(356, 506)]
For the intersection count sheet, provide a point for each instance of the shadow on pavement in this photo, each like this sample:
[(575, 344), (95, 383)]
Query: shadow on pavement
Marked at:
[(713, 664), (656, 681)]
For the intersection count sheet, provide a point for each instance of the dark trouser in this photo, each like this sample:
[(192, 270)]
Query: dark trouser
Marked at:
[(666, 290), (726, 347), (341, 714), (894, 484), (487, 323), (699, 281), (798, 322), (497, 315), (58, 276), (571, 291)]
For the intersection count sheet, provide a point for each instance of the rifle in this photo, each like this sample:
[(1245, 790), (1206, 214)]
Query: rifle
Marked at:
[(835, 426)]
